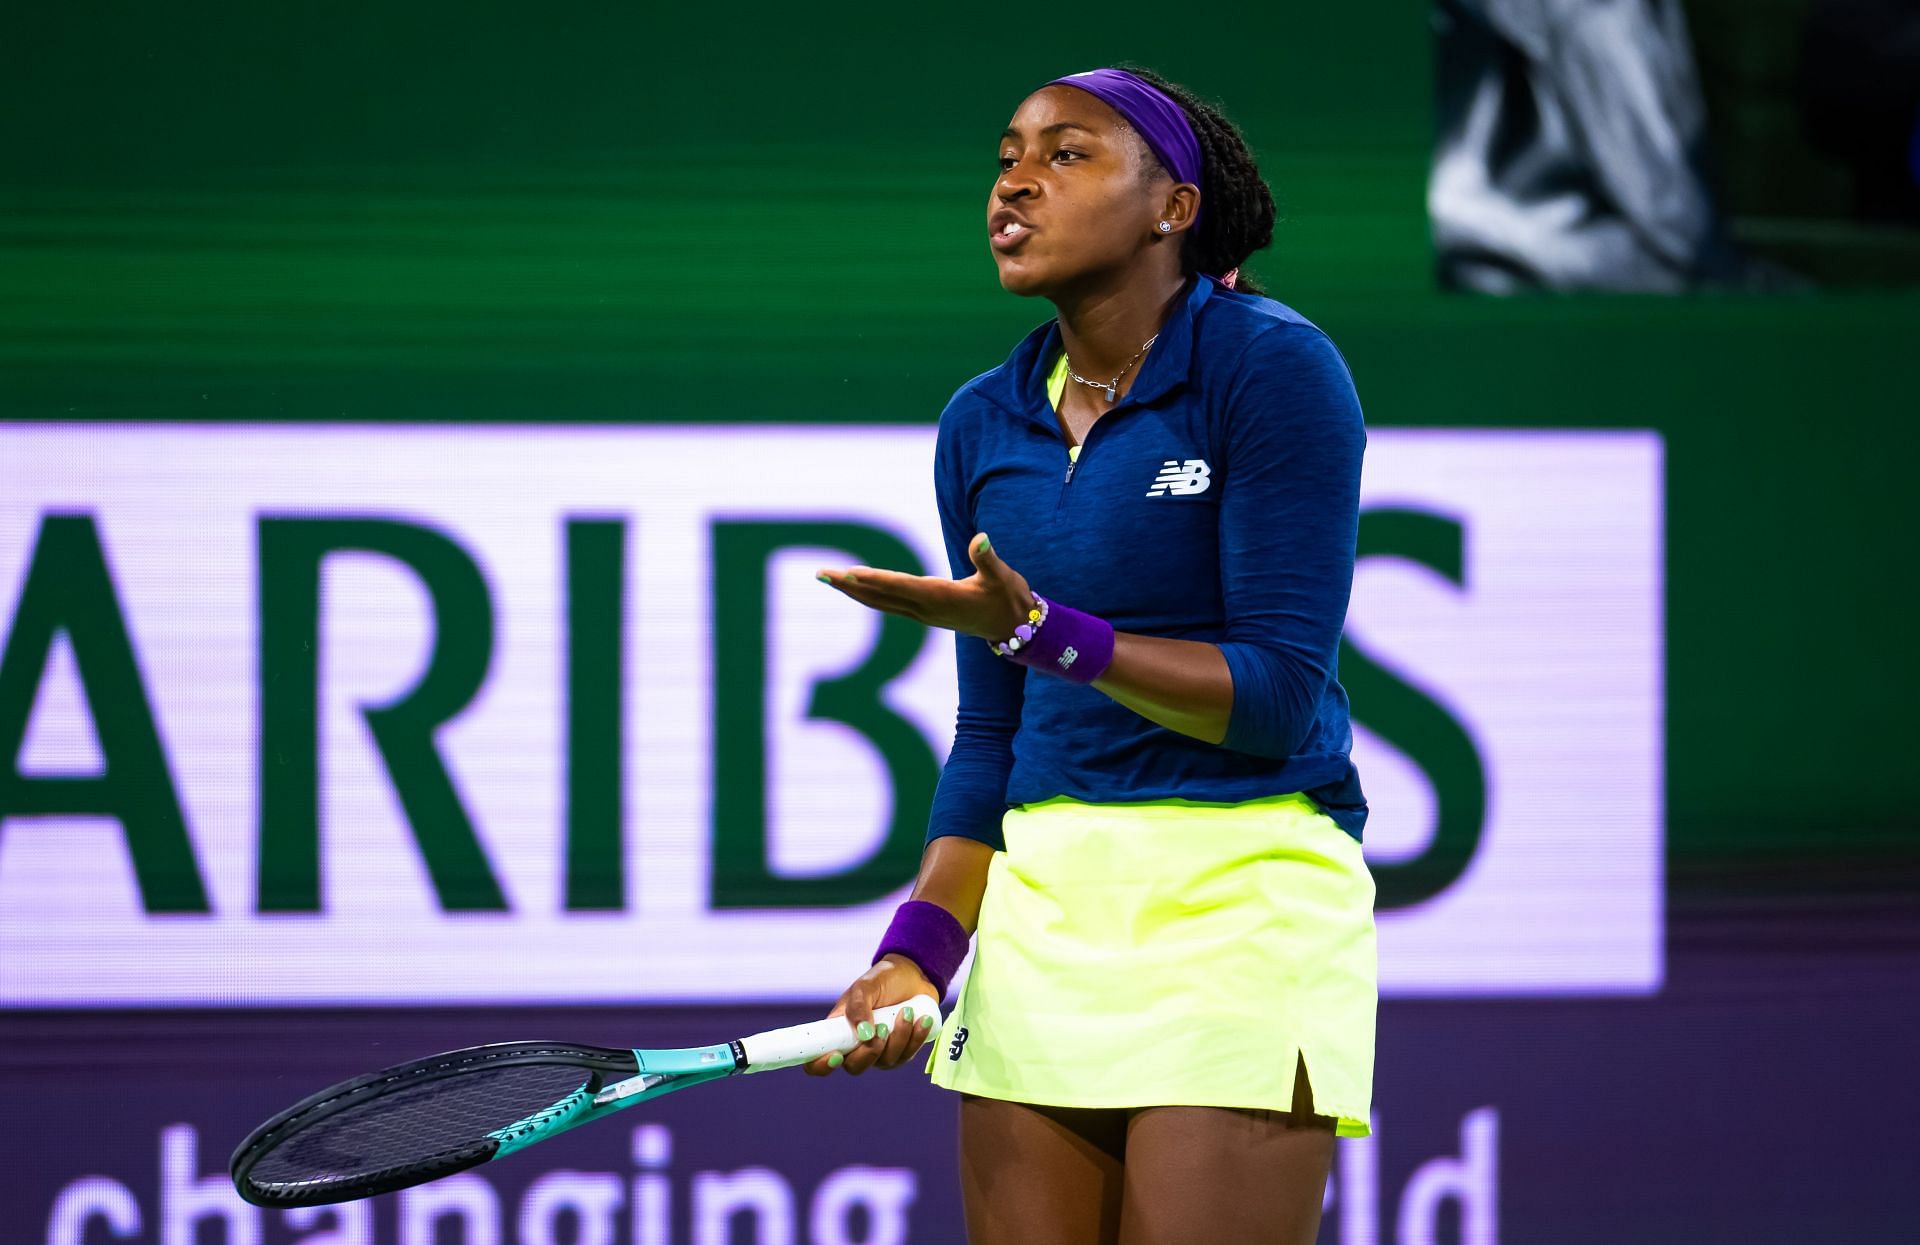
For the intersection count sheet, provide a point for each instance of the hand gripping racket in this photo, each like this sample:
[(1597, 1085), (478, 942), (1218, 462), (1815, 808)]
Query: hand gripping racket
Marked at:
[(419, 1121)]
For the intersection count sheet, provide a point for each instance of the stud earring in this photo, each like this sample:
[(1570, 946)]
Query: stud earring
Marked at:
[(1165, 227)]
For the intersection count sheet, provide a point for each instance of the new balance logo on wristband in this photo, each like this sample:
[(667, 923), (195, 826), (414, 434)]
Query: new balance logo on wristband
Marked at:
[(1066, 658), (1181, 479)]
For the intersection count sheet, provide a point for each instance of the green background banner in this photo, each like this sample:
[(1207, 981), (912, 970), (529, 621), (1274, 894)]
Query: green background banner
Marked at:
[(767, 213)]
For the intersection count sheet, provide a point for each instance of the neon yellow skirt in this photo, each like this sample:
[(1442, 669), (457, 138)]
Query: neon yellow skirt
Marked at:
[(1171, 954)]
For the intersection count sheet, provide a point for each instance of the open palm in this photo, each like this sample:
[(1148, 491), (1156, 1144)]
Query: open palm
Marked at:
[(989, 603)]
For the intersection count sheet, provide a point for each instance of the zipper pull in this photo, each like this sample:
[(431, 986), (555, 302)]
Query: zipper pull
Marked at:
[(1071, 464)]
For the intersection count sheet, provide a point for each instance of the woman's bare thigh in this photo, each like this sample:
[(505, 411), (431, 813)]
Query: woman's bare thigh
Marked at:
[(1034, 1175), (1226, 1174)]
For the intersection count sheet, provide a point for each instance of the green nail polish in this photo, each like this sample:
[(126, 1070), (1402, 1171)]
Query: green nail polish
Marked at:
[(881, 1031), (906, 1014), (825, 579), (836, 1059), (926, 1024), (864, 1032)]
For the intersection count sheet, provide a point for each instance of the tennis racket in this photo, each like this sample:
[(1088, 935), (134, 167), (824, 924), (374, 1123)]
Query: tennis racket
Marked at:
[(420, 1121)]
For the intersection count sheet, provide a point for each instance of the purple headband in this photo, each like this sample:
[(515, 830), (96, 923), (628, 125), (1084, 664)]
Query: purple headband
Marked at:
[(1148, 109)]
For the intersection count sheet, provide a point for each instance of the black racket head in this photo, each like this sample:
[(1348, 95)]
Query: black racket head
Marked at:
[(413, 1122)]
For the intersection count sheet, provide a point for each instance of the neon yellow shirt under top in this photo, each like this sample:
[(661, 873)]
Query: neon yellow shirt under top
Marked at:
[(1056, 389)]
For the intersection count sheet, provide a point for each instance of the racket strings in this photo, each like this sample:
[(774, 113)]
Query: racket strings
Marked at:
[(426, 1124)]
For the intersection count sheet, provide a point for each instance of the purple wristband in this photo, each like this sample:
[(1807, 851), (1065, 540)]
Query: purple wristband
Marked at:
[(1074, 645), (931, 937)]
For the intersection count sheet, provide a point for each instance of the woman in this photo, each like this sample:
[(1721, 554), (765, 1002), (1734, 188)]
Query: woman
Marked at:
[(1149, 816)]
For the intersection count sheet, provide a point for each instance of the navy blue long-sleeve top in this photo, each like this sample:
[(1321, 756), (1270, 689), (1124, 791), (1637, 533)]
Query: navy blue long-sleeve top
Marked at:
[(1218, 500)]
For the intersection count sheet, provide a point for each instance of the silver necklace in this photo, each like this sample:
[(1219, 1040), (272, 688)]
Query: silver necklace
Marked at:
[(1109, 386)]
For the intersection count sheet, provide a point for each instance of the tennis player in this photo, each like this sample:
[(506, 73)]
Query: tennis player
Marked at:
[(1149, 818)]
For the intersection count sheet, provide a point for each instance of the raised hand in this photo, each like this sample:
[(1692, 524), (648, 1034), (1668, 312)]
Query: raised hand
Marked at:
[(989, 603)]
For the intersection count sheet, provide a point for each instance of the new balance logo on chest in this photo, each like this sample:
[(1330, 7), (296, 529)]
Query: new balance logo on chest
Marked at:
[(1181, 479)]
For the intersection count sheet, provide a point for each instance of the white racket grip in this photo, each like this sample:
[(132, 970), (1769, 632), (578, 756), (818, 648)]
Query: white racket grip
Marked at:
[(796, 1044)]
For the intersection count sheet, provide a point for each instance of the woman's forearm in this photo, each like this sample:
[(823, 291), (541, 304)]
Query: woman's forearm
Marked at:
[(953, 874), (1183, 685)]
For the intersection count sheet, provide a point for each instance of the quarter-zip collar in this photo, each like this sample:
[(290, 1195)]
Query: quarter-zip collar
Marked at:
[(1019, 386)]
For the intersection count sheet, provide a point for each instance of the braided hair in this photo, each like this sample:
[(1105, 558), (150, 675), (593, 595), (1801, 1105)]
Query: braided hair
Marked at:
[(1236, 217)]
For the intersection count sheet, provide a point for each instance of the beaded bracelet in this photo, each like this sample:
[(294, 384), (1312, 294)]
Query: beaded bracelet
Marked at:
[(1024, 633), (1077, 646)]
